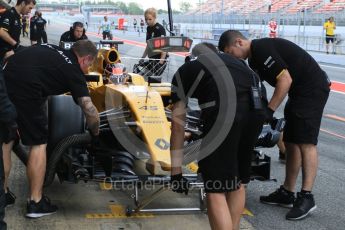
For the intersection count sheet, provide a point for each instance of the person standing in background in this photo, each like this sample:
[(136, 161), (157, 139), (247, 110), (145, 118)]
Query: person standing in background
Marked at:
[(273, 28), (24, 25), (105, 27), (142, 24), (135, 24), (329, 26), (33, 29), (41, 29)]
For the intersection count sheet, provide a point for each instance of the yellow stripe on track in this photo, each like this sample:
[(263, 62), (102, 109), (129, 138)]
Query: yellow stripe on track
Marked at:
[(117, 211)]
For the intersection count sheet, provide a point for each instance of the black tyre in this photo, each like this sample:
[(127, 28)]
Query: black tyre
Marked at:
[(65, 119)]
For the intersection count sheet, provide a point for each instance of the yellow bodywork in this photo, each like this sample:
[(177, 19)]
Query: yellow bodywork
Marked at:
[(146, 106)]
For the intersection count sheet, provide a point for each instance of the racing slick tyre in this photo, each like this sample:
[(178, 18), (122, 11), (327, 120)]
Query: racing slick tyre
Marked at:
[(65, 118)]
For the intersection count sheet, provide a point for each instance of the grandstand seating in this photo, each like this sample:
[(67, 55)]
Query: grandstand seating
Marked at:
[(261, 6), (335, 5), (279, 5), (304, 5)]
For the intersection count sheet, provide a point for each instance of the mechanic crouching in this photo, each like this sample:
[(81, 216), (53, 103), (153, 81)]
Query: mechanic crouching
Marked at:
[(76, 33), (225, 168), (46, 70)]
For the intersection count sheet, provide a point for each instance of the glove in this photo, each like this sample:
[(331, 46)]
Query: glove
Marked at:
[(12, 133), (141, 61), (267, 141), (179, 184), (268, 115)]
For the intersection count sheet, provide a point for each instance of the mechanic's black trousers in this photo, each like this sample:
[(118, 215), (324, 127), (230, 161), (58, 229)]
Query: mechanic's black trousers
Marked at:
[(3, 225)]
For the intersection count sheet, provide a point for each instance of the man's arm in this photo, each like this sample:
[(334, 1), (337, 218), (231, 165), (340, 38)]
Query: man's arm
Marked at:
[(177, 137), (91, 114), (282, 87), (4, 35), (163, 56)]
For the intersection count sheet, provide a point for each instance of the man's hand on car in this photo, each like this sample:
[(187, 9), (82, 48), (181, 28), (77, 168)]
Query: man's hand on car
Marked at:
[(95, 142)]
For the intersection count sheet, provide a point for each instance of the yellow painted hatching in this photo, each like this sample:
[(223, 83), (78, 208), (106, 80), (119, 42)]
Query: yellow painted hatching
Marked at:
[(117, 211)]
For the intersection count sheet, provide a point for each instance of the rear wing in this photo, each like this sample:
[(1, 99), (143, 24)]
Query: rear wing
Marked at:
[(170, 44)]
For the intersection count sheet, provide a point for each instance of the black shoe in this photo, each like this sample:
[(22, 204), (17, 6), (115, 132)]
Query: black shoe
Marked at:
[(10, 198), (303, 205), (282, 157), (42, 208), (281, 197)]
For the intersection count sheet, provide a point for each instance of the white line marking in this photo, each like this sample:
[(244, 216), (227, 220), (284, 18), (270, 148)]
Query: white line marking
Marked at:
[(334, 67), (334, 91), (338, 82)]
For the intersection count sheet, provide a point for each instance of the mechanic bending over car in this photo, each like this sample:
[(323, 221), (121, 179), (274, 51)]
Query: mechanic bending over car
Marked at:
[(10, 27), (76, 33), (46, 70), (227, 169), (293, 72), (8, 129)]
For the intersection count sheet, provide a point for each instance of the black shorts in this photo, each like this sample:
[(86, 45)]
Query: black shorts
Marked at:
[(229, 165), (329, 38), (303, 117), (107, 35), (32, 120)]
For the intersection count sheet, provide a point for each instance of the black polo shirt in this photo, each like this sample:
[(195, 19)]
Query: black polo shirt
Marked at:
[(68, 36), (10, 22), (42, 70), (155, 31), (40, 23), (207, 91), (269, 57)]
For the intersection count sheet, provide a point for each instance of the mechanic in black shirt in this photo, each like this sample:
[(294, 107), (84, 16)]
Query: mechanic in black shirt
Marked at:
[(46, 70), (293, 72), (76, 33), (33, 28), (10, 27), (154, 30), (8, 128), (226, 168), (41, 29)]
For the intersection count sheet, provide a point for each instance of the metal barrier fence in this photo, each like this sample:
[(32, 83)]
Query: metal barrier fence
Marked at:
[(317, 43), (309, 43)]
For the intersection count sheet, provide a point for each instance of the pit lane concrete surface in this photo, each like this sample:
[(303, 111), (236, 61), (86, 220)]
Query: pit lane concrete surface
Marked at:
[(77, 201)]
